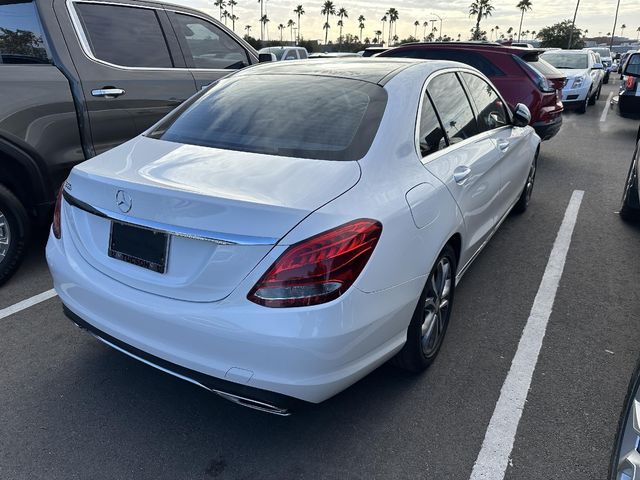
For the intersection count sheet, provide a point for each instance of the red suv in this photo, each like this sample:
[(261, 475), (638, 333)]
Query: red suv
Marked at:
[(519, 74)]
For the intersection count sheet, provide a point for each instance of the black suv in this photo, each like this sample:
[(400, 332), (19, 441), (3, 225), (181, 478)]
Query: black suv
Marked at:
[(78, 77)]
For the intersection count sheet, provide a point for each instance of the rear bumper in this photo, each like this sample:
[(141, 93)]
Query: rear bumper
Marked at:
[(233, 345), (629, 106), (547, 130)]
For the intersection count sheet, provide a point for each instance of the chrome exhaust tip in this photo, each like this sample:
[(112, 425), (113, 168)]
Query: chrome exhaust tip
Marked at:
[(254, 404)]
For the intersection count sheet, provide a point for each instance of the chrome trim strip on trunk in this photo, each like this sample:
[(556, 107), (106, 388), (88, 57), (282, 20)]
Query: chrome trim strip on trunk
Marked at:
[(218, 238)]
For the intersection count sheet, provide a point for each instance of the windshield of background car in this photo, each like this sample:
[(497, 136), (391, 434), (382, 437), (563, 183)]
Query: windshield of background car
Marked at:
[(604, 52), (288, 115), (567, 61)]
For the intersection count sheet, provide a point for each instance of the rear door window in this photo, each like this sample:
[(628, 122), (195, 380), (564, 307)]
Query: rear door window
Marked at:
[(21, 37), (430, 132), (209, 46), (126, 36), (491, 110), (453, 107)]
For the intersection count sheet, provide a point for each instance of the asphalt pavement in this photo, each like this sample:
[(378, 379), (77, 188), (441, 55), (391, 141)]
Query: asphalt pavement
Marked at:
[(71, 408)]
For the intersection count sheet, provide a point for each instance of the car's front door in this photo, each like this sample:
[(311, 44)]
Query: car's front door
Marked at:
[(210, 52), (469, 167), (493, 118), (130, 67)]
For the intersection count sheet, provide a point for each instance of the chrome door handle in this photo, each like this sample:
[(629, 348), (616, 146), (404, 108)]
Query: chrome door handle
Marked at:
[(107, 92), (503, 145), (460, 174)]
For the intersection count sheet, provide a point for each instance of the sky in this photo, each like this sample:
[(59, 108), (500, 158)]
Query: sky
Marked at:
[(595, 15)]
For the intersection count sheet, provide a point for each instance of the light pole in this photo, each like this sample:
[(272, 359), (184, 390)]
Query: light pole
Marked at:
[(573, 25), (440, 18), (615, 21)]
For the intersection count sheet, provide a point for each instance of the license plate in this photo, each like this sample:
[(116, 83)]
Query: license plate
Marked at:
[(139, 246)]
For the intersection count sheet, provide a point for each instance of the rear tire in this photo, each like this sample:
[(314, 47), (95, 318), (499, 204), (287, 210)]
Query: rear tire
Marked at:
[(15, 231), (630, 208), (431, 317)]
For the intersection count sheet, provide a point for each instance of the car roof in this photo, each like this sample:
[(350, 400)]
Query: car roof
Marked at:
[(480, 45), (373, 70), (570, 52)]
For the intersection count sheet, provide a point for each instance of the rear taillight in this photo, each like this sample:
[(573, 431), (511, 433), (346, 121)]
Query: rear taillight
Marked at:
[(630, 84), (55, 226), (540, 81), (319, 269)]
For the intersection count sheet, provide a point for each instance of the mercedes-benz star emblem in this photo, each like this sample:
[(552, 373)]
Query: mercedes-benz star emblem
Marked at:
[(123, 201)]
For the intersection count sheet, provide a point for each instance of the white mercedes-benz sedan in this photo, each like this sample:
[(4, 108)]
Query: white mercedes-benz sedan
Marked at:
[(294, 226)]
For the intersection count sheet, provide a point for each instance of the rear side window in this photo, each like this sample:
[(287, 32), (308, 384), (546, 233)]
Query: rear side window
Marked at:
[(209, 46), (491, 110), (453, 107), (430, 133), (21, 37), (464, 56), (127, 36), (286, 115)]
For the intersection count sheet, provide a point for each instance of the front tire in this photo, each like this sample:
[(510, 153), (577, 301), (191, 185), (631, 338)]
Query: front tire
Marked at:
[(523, 202), (583, 106), (593, 98), (14, 233), (431, 317)]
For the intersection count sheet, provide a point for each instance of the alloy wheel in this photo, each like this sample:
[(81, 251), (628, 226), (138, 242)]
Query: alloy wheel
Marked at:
[(5, 237), (628, 461), (436, 307)]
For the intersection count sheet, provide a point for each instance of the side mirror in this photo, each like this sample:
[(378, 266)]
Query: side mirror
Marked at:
[(267, 57), (632, 65), (598, 66), (521, 115)]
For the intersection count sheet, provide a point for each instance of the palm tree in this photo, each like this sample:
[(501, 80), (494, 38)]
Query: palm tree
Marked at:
[(328, 8), (523, 5), (491, 37), (459, 35), (622, 27), (291, 24), (281, 27), (378, 33), (393, 18), (638, 36), (383, 20), (496, 28), (480, 9), (248, 29), (416, 24), (424, 32), (361, 20), (225, 15), (233, 3), (263, 21), (342, 13), (533, 34), (262, 16), (299, 11), (220, 4)]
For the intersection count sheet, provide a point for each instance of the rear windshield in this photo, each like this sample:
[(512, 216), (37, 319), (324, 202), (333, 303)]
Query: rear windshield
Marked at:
[(545, 68), (21, 37), (567, 61), (287, 115), (604, 52)]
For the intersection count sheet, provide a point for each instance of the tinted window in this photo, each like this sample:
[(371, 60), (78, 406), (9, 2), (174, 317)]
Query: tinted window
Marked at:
[(431, 135), (453, 107), (286, 115), (544, 68), (21, 38), (125, 36), (291, 55), (209, 46), (464, 56), (302, 54), (567, 61), (491, 110)]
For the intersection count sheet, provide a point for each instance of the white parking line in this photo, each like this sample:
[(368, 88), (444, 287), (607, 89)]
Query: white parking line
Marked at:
[(492, 460), (29, 302), (607, 105)]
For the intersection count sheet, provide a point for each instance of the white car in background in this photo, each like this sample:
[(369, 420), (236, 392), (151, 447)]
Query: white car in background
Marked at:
[(584, 76), (294, 226), (277, 54), (607, 61)]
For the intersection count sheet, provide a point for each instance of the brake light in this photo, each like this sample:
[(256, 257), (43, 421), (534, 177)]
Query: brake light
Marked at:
[(55, 226), (541, 82), (319, 269), (630, 84)]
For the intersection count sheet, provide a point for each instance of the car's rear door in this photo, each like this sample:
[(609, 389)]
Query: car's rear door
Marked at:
[(469, 167), (514, 157), (210, 50), (130, 65)]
